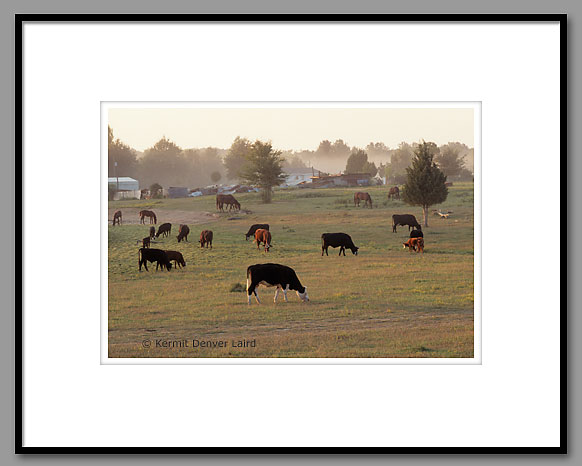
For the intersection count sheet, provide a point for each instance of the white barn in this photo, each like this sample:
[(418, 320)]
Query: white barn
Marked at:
[(125, 183)]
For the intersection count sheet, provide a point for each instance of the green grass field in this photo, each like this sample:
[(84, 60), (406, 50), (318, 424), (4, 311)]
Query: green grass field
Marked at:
[(384, 302)]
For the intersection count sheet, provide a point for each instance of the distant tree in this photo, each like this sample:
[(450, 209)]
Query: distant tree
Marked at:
[(155, 190), (236, 157), (358, 163), (292, 162), (425, 182), (215, 177), (164, 163), (401, 159), (263, 168), (450, 161), (123, 155)]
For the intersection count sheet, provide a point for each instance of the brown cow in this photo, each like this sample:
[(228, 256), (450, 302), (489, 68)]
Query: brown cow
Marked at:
[(414, 244), (177, 258), (206, 238), (228, 200), (263, 236), (183, 233), (359, 196), (152, 232), (147, 213), (117, 217), (394, 193)]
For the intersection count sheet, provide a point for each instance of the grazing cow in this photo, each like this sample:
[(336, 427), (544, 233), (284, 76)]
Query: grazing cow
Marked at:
[(153, 255), (416, 234), (177, 258), (341, 240), (117, 217), (359, 196), (206, 238), (255, 227), (183, 233), (263, 236), (281, 276), (147, 213), (394, 193), (414, 244), (228, 200), (164, 229), (152, 232), (145, 242), (405, 219)]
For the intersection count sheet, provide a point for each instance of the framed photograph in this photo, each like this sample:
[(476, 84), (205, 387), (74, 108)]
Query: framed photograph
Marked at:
[(319, 226)]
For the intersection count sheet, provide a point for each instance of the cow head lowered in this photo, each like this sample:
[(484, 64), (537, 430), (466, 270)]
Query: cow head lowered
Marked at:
[(303, 296)]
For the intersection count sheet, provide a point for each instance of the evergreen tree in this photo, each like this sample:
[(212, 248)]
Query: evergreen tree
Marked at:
[(425, 182), (263, 168)]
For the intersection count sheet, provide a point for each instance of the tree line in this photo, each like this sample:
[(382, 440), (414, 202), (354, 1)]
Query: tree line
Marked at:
[(257, 163)]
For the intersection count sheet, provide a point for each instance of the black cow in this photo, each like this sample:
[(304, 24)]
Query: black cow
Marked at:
[(281, 276), (176, 257), (164, 229), (153, 255), (255, 227), (405, 219), (341, 240), (152, 232), (416, 234), (183, 233)]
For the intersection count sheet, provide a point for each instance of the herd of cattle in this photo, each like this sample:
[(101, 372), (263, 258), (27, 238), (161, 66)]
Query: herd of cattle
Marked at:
[(280, 276)]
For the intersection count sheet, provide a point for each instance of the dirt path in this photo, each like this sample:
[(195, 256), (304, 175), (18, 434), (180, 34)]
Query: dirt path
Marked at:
[(131, 216)]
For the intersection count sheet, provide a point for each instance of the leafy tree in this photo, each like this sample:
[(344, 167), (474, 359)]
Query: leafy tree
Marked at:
[(425, 183), (155, 190), (125, 156), (263, 168), (215, 177), (450, 161), (401, 159), (164, 163), (293, 162), (236, 157), (358, 163)]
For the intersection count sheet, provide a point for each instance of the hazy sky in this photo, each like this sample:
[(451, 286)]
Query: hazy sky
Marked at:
[(290, 128)]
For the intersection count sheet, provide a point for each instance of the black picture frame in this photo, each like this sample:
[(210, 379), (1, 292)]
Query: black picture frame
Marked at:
[(20, 19)]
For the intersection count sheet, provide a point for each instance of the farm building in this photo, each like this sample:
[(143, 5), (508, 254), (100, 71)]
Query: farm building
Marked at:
[(176, 192), (124, 187), (346, 179), (298, 177), (123, 183)]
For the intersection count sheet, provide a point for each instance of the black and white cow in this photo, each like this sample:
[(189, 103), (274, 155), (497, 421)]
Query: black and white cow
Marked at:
[(281, 276)]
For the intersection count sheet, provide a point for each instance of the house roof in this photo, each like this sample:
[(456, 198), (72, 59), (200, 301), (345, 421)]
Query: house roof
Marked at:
[(121, 179)]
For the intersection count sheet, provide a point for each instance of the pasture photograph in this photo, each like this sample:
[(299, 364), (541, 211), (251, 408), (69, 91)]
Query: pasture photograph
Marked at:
[(306, 231)]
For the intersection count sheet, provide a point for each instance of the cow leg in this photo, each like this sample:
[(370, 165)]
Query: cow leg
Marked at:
[(257, 296), (276, 294), (285, 291), (145, 264)]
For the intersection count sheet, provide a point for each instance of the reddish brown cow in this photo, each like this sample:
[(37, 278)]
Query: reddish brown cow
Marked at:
[(263, 236), (206, 238), (394, 193), (359, 196), (414, 244), (147, 213)]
